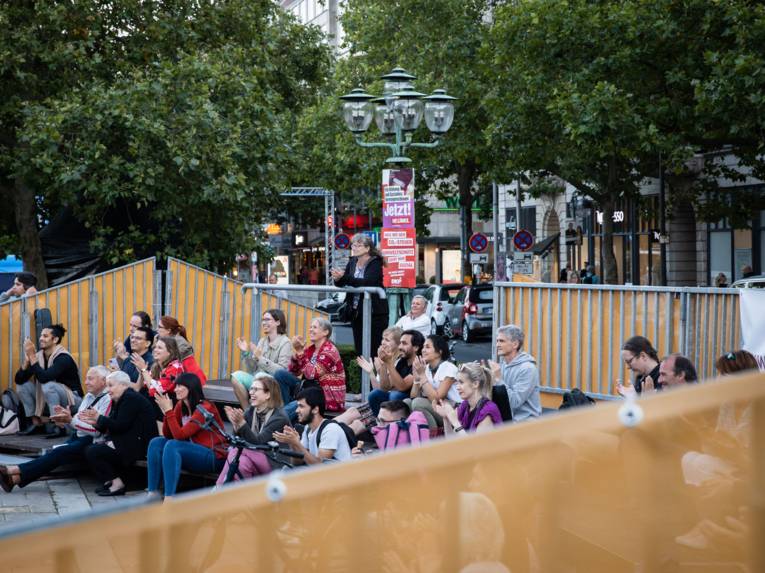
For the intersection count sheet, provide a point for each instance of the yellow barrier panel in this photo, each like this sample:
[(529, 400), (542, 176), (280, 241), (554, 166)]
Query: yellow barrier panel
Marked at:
[(578, 491), (215, 313), (117, 294), (576, 333)]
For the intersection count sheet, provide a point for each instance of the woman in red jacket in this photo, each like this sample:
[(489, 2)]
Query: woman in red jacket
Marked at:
[(185, 444)]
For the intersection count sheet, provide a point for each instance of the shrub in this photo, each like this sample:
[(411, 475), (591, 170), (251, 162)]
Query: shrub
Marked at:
[(352, 370)]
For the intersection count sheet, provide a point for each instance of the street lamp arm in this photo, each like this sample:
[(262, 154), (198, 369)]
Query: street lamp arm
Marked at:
[(362, 143), (431, 145)]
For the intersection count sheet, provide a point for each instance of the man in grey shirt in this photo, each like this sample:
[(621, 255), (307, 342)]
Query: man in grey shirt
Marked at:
[(23, 285), (518, 372)]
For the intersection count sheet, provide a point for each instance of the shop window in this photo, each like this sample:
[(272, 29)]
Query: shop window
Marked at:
[(742, 251), (720, 255)]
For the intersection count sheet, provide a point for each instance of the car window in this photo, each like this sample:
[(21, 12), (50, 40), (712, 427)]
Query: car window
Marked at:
[(428, 294), (461, 295), (449, 293), (484, 295)]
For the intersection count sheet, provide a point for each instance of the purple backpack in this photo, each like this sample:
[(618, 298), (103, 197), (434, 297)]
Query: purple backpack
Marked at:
[(412, 431)]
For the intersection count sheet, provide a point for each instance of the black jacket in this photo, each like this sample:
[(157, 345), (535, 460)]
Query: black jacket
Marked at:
[(130, 425), (63, 370), (373, 277)]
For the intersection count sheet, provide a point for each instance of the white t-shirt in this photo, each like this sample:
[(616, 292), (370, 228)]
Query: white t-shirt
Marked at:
[(332, 438), (445, 370), (421, 323)]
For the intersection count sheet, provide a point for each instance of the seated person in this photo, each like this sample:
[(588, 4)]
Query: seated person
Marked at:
[(318, 365), (137, 320), (141, 341), (476, 412), (434, 378), (395, 372), (48, 376), (272, 352), (165, 368), (127, 431), (397, 426), (169, 326), (310, 412), (417, 318), (24, 284), (185, 444), (256, 426), (73, 450)]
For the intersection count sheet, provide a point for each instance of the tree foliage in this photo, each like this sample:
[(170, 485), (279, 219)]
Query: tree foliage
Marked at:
[(595, 92), (165, 125)]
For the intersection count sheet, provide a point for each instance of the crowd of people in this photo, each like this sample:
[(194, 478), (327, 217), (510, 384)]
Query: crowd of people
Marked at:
[(149, 401)]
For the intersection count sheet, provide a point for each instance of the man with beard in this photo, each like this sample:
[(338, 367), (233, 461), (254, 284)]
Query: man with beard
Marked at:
[(333, 444)]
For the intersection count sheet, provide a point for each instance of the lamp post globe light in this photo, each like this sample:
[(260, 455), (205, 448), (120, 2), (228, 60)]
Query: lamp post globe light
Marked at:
[(398, 113)]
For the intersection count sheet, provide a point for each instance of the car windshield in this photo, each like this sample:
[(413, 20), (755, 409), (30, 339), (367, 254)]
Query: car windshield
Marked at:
[(448, 294)]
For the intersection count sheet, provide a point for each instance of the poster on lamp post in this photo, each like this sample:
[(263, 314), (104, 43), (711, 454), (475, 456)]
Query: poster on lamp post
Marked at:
[(399, 247), (398, 241), (398, 198)]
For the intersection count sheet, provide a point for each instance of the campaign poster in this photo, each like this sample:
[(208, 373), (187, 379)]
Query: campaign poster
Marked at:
[(752, 308), (399, 247), (398, 198)]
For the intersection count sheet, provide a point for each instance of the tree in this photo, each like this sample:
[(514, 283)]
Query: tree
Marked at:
[(439, 42), (595, 92), (163, 125)]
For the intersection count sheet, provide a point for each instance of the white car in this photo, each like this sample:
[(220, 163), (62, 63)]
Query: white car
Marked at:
[(440, 299), (757, 281)]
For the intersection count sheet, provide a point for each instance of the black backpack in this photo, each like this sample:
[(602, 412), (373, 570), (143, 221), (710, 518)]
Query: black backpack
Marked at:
[(575, 398), (350, 435)]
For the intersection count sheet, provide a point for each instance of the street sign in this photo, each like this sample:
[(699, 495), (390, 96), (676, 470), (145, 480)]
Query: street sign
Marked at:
[(478, 242), (374, 237), (342, 241), (479, 258), (523, 240)]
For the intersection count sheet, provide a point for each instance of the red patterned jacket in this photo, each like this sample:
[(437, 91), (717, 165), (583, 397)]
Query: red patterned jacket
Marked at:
[(327, 369)]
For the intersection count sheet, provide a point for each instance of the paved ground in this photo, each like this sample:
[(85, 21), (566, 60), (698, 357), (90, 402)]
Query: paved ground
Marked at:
[(51, 500)]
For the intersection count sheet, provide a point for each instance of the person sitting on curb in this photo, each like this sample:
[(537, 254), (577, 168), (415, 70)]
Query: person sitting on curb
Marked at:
[(310, 412), (476, 412), (48, 376), (24, 284), (518, 372), (73, 451)]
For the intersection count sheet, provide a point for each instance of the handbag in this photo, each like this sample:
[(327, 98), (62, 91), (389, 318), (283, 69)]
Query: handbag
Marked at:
[(346, 312), (9, 421)]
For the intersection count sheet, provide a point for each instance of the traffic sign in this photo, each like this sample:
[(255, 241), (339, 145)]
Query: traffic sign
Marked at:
[(478, 258), (478, 242), (373, 236), (523, 240), (342, 241)]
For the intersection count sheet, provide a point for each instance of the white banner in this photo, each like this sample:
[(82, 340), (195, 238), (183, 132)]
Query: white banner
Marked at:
[(752, 323)]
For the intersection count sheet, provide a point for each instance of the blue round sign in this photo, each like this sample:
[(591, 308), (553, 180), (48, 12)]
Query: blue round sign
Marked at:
[(478, 242), (523, 240), (342, 241)]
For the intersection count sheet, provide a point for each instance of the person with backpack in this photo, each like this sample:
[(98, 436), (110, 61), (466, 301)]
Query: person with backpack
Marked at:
[(73, 450), (476, 412), (322, 440)]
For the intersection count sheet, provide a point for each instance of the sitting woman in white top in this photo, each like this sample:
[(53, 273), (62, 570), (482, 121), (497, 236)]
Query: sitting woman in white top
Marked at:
[(476, 412), (417, 318), (272, 352), (434, 378), (322, 440)]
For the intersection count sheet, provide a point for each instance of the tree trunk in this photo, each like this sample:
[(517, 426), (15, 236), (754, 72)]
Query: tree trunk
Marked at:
[(465, 176), (25, 210)]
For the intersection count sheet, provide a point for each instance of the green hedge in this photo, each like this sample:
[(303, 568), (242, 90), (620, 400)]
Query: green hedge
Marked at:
[(352, 370)]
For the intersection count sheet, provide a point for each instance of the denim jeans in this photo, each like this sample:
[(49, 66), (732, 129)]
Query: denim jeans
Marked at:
[(71, 452), (167, 458), (288, 383), (377, 397)]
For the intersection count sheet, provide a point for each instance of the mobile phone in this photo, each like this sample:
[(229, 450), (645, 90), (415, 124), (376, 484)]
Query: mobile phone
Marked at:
[(113, 364)]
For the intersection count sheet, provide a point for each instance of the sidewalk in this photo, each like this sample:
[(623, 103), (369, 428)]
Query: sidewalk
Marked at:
[(51, 499)]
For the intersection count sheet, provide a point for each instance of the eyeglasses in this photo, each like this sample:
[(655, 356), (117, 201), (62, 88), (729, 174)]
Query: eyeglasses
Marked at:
[(628, 361), (384, 422), (257, 389)]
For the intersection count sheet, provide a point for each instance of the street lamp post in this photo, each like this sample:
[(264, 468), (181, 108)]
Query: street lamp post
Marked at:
[(398, 113)]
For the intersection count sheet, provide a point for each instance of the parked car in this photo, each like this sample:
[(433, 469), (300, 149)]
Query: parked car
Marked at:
[(471, 314), (440, 299), (331, 304), (757, 281)]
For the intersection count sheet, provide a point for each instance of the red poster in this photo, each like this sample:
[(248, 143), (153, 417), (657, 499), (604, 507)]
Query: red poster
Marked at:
[(399, 247)]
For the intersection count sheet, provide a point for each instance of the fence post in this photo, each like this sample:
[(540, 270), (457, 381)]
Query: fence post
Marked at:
[(157, 294), (224, 319), (255, 314), (684, 324), (168, 302), (93, 320), (366, 341), (496, 320)]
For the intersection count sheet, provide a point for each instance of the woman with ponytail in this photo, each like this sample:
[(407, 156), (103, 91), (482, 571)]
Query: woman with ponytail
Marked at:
[(476, 412)]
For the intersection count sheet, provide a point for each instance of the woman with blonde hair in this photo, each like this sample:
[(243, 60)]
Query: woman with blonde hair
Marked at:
[(476, 412)]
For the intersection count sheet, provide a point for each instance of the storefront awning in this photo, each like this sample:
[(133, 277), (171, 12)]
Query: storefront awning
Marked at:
[(542, 248)]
